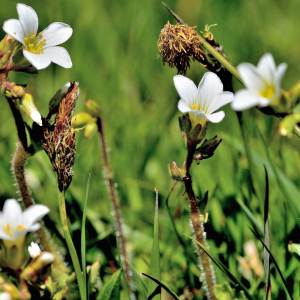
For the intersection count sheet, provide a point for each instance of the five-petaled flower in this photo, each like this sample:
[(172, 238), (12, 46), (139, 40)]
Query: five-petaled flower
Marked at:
[(39, 49), (201, 102), (263, 83), (14, 225)]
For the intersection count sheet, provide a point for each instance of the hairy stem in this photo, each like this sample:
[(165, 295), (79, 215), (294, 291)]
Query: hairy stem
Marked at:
[(197, 223), (115, 203)]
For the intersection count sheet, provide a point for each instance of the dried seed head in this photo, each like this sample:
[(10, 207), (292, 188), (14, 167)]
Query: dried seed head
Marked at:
[(59, 142), (178, 44)]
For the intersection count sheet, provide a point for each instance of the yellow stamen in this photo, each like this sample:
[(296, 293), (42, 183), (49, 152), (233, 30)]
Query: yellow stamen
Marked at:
[(267, 93), (25, 39), (21, 227), (31, 50), (195, 106), (6, 228), (40, 33), (41, 49), (14, 33), (33, 35)]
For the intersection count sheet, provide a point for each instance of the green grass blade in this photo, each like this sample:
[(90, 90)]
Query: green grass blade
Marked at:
[(71, 247), (274, 261), (111, 290), (223, 268), (267, 240), (83, 246), (164, 286), (154, 289), (135, 273)]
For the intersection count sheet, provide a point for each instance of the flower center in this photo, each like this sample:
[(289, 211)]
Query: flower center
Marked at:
[(195, 106), (34, 43), (10, 232), (267, 93)]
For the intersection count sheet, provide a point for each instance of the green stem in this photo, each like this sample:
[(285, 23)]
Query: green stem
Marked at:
[(68, 238)]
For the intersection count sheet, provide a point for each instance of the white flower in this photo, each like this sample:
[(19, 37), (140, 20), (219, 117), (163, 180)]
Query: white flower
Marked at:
[(201, 102), (14, 224), (39, 49), (263, 83), (5, 296), (34, 250)]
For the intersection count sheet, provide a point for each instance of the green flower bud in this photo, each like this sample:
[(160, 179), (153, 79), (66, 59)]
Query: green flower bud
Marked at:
[(93, 107), (90, 129), (18, 91), (177, 173), (8, 44), (80, 120), (207, 149), (57, 98), (5, 59), (286, 127), (28, 105), (94, 274)]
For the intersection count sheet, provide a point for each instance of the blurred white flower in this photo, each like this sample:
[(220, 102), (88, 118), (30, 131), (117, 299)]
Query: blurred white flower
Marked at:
[(201, 102), (5, 296), (39, 49), (34, 250), (14, 224), (263, 83)]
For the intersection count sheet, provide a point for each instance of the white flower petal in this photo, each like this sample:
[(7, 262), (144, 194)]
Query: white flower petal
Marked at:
[(245, 99), (5, 296), (186, 89), (14, 28), (28, 19), (39, 61), (182, 106), (33, 214), (279, 73), (209, 86), (216, 117), (56, 34), (12, 213), (266, 67), (5, 236), (36, 117), (34, 227), (221, 100), (252, 80), (59, 56), (34, 250)]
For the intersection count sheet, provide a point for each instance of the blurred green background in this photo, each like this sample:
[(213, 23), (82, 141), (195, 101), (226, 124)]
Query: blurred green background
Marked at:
[(114, 54)]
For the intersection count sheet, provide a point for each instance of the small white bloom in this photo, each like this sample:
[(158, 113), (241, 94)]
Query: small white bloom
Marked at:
[(263, 83), (201, 102), (5, 296), (34, 250), (65, 88), (39, 49), (36, 117), (14, 224)]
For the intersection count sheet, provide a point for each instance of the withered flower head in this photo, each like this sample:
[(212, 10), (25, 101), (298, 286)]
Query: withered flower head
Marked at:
[(178, 44), (59, 142)]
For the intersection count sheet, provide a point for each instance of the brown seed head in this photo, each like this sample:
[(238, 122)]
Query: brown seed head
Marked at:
[(178, 44), (59, 142)]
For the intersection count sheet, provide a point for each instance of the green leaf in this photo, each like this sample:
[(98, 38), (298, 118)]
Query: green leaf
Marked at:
[(111, 290), (295, 248), (163, 285), (225, 292), (83, 239), (154, 289), (223, 268)]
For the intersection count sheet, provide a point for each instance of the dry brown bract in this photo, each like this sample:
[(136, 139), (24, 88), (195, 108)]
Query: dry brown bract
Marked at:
[(59, 142), (177, 44)]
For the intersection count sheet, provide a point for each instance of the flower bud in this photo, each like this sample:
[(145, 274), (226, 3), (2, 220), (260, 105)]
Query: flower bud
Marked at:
[(286, 127), (18, 91), (93, 107), (94, 274), (177, 173), (28, 105), (57, 98), (80, 120), (37, 266), (34, 250), (90, 129), (7, 44), (207, 149)]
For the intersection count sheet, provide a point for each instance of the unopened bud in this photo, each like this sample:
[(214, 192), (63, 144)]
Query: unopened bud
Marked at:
[(207, 149), (80, 120), (57, 98), (7, 44), (93, 107), (185, 123), (177, 173), (94, 273), (34, 250), (286, 127), (28, 105), (90, 129), (18, 91)]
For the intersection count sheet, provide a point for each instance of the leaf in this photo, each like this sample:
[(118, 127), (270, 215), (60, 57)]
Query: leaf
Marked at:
[(225, 292), (223, 268), (295, 248), (164, 286), (154, 289), (111, 290)]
